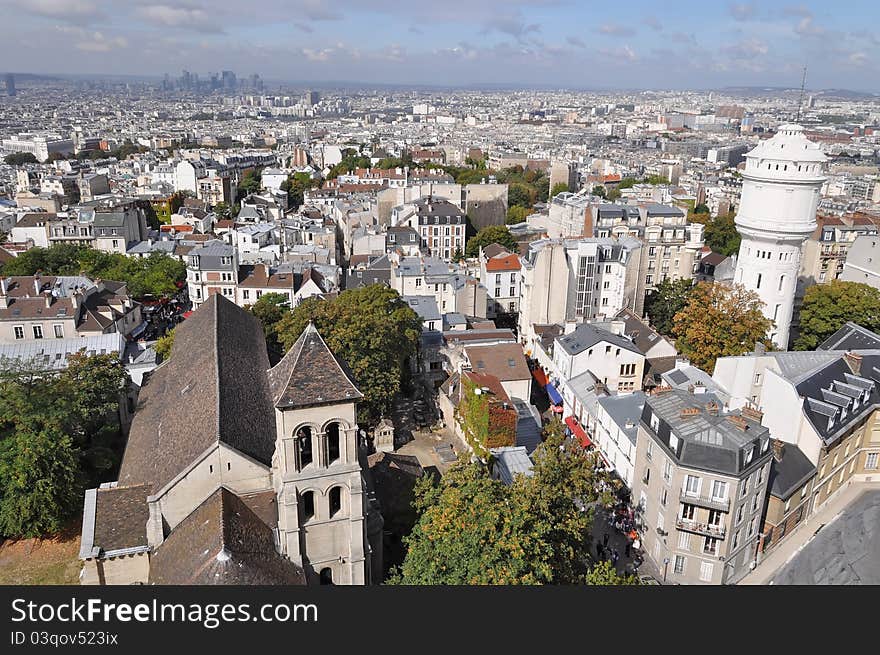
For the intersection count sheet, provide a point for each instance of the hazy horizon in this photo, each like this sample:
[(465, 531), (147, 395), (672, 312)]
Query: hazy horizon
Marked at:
[(523, 43)]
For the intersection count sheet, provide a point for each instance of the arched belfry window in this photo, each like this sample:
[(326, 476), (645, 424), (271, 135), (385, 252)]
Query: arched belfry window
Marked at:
[(333, 443), (304, 455), (335, 500), (307, 504)]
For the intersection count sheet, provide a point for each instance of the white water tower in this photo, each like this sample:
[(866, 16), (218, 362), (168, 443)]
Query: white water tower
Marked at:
[(777, 212)]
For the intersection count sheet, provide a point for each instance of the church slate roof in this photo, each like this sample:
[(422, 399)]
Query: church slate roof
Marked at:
[(309, 374), (222, 542), (121, 517), (213, 389)]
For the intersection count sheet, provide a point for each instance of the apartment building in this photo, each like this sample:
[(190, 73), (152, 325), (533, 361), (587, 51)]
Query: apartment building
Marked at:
[(454, 290), (612, 359), (211, 268), (701, 478), (38, 307), (825, 252), (500, 274), (441, 225), (672, 246), (576, 280)]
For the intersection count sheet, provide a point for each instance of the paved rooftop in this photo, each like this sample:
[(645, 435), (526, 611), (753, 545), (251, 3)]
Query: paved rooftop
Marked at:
[(845, 551)]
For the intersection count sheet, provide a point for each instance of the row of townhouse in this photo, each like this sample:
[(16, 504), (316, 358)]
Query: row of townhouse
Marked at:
[(214, 268)]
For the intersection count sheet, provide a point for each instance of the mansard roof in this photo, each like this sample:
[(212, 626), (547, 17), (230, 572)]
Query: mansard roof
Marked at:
[(310, 374), (213, 389)]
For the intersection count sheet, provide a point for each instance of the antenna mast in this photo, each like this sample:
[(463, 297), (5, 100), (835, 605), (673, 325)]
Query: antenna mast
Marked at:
[(801, 99)]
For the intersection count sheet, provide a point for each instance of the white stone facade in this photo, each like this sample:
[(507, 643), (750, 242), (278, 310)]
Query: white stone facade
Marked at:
[(777, 212)]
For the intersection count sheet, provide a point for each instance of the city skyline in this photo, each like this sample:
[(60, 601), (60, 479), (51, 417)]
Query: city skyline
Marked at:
[(528, 43)]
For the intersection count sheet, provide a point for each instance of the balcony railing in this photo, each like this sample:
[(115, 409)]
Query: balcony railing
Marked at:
[(696, 527), (706, 501)]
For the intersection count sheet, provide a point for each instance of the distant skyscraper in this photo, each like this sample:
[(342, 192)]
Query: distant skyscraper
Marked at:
[(10, 84), (229, 81), (777, 212), (312, 98)]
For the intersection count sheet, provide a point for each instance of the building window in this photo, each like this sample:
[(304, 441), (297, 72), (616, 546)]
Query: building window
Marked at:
[(418, 282), (719, 490), (335, 500), (663, 497), (871, 460), (246, 294), (649, 450), (655, 422), (692, 485), (304, 447), (688, 512), (667, 470), (735, 540), (307, 501), (758, 282), (710, 546), (225, 261), (59, 331), (19, 331), (706, 571), (739, 513), (679, 564), (333, 444), (684, 541), (38, 332)]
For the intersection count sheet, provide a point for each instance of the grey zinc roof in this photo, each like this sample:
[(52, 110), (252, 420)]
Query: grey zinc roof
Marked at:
[(851, 337), (790, 472), (424, 306), (214, 249), (586, 336), (52, 354), (707, 441), (511, 461), (626, 409), (686, 375)]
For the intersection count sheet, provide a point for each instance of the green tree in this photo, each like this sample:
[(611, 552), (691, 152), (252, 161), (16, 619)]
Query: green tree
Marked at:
[(223, 210), (827, 307), (656, 179), (722, 236), (520, 195), (702, 208), (372, 330), (490, 234), (250, 182), (604, 574), (599, 190), (559, 187), (668, 298), (19, 158), (40, 481), (476, 530), (517, 214), (164, 345), (612, 194), (177, 199), (270, 309), (719, 321), (296, 186)]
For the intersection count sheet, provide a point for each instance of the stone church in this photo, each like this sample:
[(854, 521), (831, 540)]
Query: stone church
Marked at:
[(237, 473)]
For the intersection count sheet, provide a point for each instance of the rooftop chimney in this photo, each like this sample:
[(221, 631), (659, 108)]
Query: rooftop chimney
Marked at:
[(712, 408), (4, 286), (48, 300), (37, 285), (854, 361), (778, 449)]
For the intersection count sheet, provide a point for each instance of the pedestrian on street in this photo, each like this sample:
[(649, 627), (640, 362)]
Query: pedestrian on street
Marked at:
[(614, 556), (605, 539), (628, 548)]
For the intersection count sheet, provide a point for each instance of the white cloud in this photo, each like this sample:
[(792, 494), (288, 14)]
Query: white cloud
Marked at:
[(612, 29), (74, 11), (186, 18)]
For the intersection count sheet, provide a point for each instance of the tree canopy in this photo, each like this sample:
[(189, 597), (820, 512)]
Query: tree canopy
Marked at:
[(476, 530), (372, 330), (57, 431), (517, 214), (490, 234), (827, 307), (155, 275), (559, 187), (19, 158), (662, 304), (270, 309), (722, 236), (719, 321), (251, 182)]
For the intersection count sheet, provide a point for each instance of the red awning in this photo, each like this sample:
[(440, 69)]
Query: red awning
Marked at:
[(540, 376), (578, 431), (187, 314)]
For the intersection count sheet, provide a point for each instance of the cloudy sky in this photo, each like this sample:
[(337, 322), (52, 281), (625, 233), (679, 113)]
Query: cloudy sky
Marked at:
[(566, 43)]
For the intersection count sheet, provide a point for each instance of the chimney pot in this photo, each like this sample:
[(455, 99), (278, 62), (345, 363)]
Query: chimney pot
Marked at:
[(854, 361), (778, 449)]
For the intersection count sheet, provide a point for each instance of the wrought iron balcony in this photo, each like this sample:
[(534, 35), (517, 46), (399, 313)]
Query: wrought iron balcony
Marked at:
[(706, 501), (696, 527)]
